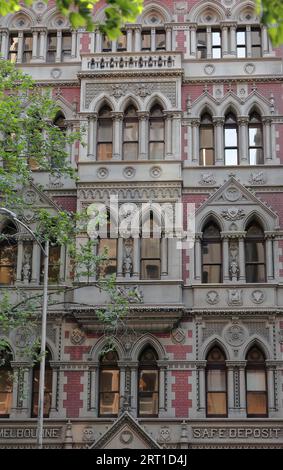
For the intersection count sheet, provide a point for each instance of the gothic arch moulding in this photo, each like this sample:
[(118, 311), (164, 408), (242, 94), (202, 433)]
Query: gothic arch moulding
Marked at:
[(147, 340), (207, 13), (23, 20), (102, 100), (210, 343), (157, 98), (96, 350), (154, 14), (244, 12), (260, 343)]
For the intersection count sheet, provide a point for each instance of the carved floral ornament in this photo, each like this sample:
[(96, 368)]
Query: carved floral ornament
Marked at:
[(257, 296), (235, 334), (233, 213), (77, 336), (212, 297)]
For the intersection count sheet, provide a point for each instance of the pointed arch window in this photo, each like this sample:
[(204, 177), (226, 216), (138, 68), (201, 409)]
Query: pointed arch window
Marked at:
[(255, 139), (47, 387), (148, 383), (6, 383), (216, 383), (151, 253), (231, 140), (8, 254), (109, 384), (255, 253), (256, 383), (211, 254), (156, 133), (130, 134), (206, 140), (105, 134)]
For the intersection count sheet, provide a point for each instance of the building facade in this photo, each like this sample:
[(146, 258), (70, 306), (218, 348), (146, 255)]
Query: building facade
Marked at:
[(186, 107)]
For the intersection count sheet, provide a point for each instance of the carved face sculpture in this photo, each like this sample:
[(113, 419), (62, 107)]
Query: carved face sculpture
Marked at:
[(88, 434), (164, 434)]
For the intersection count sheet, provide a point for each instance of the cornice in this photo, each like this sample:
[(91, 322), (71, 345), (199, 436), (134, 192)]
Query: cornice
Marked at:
[(130, 74), (237, 79)]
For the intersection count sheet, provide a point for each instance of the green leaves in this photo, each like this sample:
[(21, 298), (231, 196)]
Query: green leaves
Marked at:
[(271, 12)]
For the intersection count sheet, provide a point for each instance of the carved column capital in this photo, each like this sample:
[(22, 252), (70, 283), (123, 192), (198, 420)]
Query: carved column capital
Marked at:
[(117, 116)]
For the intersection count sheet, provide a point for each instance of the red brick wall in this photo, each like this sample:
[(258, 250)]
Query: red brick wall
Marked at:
[(182, 403), (68, 203), (73, 388)]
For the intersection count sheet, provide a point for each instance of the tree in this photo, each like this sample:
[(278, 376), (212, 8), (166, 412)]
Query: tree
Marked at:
[(80, 13), (271, 12), (28, 137)]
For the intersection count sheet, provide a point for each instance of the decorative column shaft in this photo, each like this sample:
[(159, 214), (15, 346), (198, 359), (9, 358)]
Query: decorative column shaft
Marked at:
[(92, 133), (164, 256), (134, 387), (230, 389), (19, 261), (269, 259), (129, 40), (208, 43), (36, 256), (270, 385), (242, 388), (225, 40), (219, 144), (242, 265), (189, 142), (244, 140), (233, 51), (98, 42), (267, 138), (264, 36), (20, 47), (42, 38), (137, 39), (194, 40), (120, 257), (162, 372), (143, 135), (249, 41), (55, 374), (176, 136), (198, 257), (4, 43), (74, 44), (117, 135), (202, 397), (226, 276), (62, 263), (168, 136), (59, 47), (34, 44), (136, 259), (168, 39), (195, 131), (153, 40)]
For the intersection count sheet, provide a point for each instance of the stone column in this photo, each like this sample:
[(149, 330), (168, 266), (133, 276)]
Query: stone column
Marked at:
[(74, 44), (198, 238), (233, 44), (161, 398), (92, 136), (55, 375), (168, 38), (4, 43), (242, 265), (164, 257), (97, 42), (202, 393), (264, 36), (249, 41), (189, 144), (269, 258), (34, 44), (129, 40), (242, 375), (94, 391), (20, 47), (21, 390), (19, 261), (137, 39), (194, 39), (117, 135), (224, 40), (219, 141), (42, 39), (230, 388), (267, 139), (136, 259), (225, 261), (176, 136), (208, 43), (134, 386), (243, 140), (36, 257), (62, 264), (120, 253), (195, 146), (270, 386), (153, 40), (143, 135), (168, 135), (122, 368), (59, 47)]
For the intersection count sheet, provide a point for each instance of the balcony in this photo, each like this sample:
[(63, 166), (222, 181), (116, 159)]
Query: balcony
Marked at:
[(138, 61)]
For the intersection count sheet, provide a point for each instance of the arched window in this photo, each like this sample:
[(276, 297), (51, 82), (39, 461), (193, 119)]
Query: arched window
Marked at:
[(109, 384), (206, 140), (60, 121), (256, 383), (8, 254), (107, 249), (231, 140), (151, 252), (105, 134), (216, 383), (255, 253), (6, 383), (53, 264), (255, 140), (148, 383), (211, 254), (156, 133), (130, 134), (47, 387)]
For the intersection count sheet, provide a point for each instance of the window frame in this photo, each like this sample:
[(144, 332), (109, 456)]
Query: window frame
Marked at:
[(216, 47), (208, 241), (47, 392), (256, 125), (231, 147), (99, 142), (255, 239), (241, 46), (148, 366), (111, 367), (126, 120), (256, 366), (206, 126), (153, 119), (214, 365)]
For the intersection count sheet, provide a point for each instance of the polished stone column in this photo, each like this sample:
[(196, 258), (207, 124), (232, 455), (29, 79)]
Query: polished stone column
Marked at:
[(36, 256), (92, 136), (42, 43), (233, 41), (164, 257), (120, 253), (194, 39), (249, 41), (224, 40), (208, 43), (198, 238), (143, 135), (202, 391), (267, 138), (59, 47), (168, 30), (20, 47), (34, 44), (134, 386), (225, 261), (269, 257), (129, 40), (117, 135), (195, 147), (153, 40), (242, 265), (271, 368), (242, 375), (168, 135), (19, 261), (137, 39), (219, 141), (4, 43), (244, 140)]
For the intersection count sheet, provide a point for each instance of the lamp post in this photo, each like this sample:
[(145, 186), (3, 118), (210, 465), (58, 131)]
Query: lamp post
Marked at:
[(45, 252)]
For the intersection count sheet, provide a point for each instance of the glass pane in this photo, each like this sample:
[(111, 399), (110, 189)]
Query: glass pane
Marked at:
[(256, 156), (150, 269), (241, 38), (130, 151), (66, 41), (256, 51), (216, 404), (256, 403), (150, 248), (211, 274), (231, 157), (201, 38), (255, 252), (241, 52), (256, 380), (231, 137), (148, 404), (104, 152), (216, 38), (148, 381), (131, 131), (156, 150), (256, 37), (6, 386), (109, 380), (255, 136), (211, 253), (255, 273), (122, 42), (105, 130), (216, 380), (156, 130), (146, 40), (110, 245), (160, 41), (27, 42), (216, 53), (207, 157), (52, 41), (14, 42), (206, 137)]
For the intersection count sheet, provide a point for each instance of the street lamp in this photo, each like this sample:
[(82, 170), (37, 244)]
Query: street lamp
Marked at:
[(45, 252)]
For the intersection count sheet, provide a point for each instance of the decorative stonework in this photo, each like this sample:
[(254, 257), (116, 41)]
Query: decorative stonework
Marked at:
[(212, 297), (235, 334), (133, 294), (233, 213), (30, 196), (77, 336), (39, 7), (207, 179), (257, 296), (209, 69), (117, 90), (257, 178), (128, 257), (178, 335), (126, 437), (88, 434), (180, 8), (22, 337), (234, 261), (235, 297), (155, 172), (55, 181), (127, 192), (164, 435), (249, 68), (102, 173), (56, 73), (129, 172), (232, 194)]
